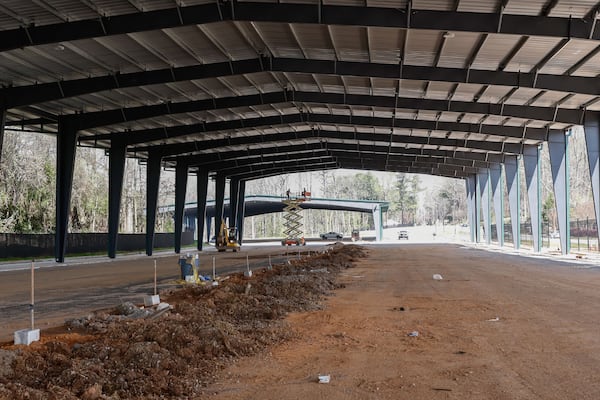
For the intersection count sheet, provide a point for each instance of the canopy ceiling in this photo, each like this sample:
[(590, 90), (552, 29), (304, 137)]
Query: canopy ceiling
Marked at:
[(253, 89)]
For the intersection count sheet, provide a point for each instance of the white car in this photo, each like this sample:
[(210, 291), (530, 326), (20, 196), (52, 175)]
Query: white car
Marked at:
[(331, 236)]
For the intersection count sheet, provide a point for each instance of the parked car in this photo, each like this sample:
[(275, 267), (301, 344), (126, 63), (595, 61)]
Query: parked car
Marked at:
[(331, 236), (293, 241), (403, 235)]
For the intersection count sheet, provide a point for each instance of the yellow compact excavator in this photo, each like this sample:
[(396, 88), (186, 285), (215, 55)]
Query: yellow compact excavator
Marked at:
[(227, 238)]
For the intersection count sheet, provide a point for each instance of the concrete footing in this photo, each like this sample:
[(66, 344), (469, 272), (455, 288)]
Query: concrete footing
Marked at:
[(150, 301), (27, 336)]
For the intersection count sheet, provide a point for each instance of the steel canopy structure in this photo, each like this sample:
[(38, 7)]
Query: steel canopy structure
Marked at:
[(240, 90)]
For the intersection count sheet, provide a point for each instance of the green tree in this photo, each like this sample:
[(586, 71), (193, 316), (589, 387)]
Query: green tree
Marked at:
[(408, 192)]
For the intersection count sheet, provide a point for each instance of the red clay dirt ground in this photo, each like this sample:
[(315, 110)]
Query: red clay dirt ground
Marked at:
[(544, 345), (496, 327)]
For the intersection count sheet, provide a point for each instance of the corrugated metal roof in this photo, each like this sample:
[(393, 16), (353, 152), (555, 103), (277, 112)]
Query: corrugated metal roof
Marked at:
[(569, 55), (529, 7), (422, 47), (443, 5), (494, 50), (573, 8), (447, 59), (479, 6), (457, 49), (532, 52), (386, 45), (350, 43)]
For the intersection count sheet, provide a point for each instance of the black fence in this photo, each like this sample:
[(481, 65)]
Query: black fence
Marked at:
[(583, 232), (14, 245)]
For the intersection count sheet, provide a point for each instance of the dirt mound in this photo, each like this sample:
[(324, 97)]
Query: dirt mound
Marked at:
[(173, 353)]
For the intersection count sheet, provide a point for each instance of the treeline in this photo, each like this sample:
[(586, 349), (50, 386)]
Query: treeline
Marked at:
[(412, 199), (27, 192)]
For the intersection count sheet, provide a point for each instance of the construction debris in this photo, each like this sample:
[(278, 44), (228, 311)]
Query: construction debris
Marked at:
[(145, 353)]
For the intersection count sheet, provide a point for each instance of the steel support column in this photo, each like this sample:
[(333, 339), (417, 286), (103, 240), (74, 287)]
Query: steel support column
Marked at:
[(208, 228), (477, 203), (202, 188), (378, 222), (181, 178), (234, 187), (2, 124), (471, 186), (592, 140), (558, 145), (484, 191), (66, 145), (513, 184), (116, 169), (241, 209), (532, 161), (498, 200), (219, 201), (152, 185)]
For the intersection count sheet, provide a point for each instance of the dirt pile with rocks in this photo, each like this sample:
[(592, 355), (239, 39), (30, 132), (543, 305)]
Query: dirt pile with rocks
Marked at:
[(174, 352)]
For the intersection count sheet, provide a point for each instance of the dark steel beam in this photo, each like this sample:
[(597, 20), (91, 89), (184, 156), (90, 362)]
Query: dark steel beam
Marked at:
[(2, 125), (201, 131), (379, 160), (274, 149), (320, 167), (255, 160), (274, 171), (66, 145), (116, 169), (381, 164), (202, 188), (286, 153), (268, 150), (220, 181), (37, 93), (181, 178), (324, 135), (241, 209), (234, 191), (441, 171), (297, 162), (248, 176), (295, 13), (152, 186), (110, 117), (121, 115), (399, 159), (379, 153)]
